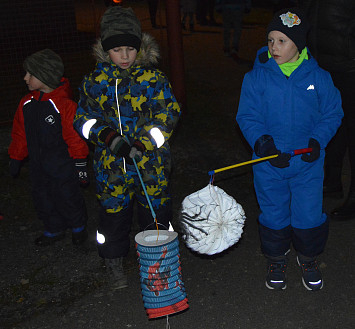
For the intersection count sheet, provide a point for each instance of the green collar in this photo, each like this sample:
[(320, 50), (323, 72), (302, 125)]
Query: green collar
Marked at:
[(288, 68)]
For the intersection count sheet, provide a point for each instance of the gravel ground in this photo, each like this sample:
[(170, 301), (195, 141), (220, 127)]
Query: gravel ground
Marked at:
[(63, 286)]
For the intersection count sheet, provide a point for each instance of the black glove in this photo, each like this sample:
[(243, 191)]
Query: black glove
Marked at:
[(314, 155), (265, 146), (282, 161), (119, 146), (15, 166), (136, 152), (116, 143), (82, 170)]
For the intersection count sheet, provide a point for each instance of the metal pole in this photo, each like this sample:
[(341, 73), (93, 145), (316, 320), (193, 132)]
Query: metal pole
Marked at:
[(176, 54)]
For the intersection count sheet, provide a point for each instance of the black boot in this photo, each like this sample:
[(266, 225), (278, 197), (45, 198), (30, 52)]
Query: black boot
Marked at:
[(80, 237), (115, 270), (347, 210), (44, 240)]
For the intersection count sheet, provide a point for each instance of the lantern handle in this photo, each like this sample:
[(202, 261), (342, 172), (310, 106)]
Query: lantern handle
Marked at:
[(292, 153)]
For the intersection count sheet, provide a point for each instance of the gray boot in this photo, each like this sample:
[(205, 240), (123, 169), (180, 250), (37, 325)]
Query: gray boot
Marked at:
[(115, 269)]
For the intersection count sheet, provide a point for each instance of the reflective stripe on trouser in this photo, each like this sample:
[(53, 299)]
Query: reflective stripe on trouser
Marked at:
[(116, 227)]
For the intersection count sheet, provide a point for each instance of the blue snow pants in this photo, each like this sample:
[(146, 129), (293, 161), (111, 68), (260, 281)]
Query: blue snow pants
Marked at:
[(290, 201)]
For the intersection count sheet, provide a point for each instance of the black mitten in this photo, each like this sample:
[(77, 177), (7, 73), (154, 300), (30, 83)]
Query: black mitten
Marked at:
[(265, 146), (81, 167), (119, 146), (282, 161), (314, 155), (15, 166)]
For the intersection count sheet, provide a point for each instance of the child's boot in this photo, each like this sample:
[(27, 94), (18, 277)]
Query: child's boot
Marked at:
[(114, 268), (311, 275), (79, 235), (47, 239), (276, 272)]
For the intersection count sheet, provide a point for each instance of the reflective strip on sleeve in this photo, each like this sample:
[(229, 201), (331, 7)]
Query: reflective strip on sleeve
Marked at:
[(157, 136), (87, 127)]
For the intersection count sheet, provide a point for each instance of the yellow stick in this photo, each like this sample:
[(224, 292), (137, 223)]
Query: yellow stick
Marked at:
[(245, 163)]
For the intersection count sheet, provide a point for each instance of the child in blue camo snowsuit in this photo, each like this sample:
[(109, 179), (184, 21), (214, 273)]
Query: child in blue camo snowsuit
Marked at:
[(288, 102), (127, 109)]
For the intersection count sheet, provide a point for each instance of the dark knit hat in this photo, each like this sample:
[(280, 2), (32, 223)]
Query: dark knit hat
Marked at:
[(293, 23), (46, 66), (120, 27)]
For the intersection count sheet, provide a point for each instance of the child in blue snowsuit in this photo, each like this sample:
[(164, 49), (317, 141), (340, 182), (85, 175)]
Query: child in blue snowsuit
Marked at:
[(288, 102)]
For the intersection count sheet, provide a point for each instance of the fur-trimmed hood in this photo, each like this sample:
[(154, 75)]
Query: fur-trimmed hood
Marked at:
[(147, 56)]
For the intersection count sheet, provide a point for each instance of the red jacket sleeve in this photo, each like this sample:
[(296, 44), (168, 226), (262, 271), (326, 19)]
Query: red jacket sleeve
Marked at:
[(78, 149), (18, 146)]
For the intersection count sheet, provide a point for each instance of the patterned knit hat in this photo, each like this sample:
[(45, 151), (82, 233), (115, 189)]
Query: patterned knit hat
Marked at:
[(46, 66), (120, 27), (291, 22)]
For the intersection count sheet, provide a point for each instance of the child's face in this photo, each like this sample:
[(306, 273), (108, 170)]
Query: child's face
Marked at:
[(123, 56), (34, 84), (282, 48)]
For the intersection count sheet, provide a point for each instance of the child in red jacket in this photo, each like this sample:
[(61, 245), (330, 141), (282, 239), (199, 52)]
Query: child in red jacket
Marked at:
[(43, 131)]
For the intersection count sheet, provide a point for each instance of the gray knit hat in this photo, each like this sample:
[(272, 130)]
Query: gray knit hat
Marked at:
[(293, 23), (120, 27), (46, 66)]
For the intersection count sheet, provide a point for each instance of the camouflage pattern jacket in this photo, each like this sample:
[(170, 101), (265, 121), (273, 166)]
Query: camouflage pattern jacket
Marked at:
[(139, 97)]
